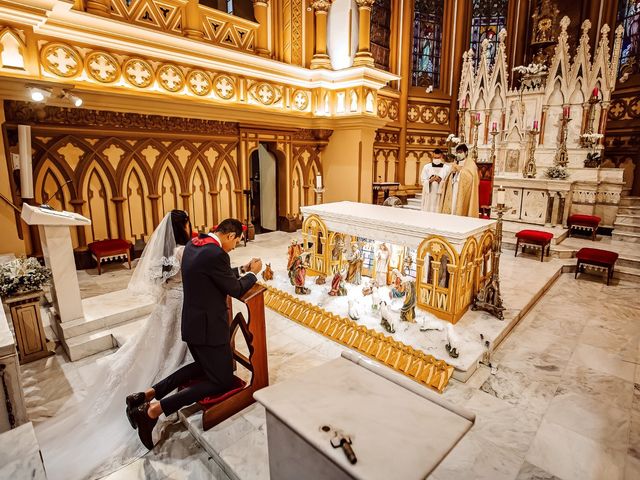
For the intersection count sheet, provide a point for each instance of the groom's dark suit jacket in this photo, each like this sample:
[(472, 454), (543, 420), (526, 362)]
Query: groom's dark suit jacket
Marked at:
[(207, 279)]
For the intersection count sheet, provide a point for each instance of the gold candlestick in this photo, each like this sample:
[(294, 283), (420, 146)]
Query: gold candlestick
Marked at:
[(474, 149), (319, 193), (492, 155), (462, 123), (488, 298), (529, 170)]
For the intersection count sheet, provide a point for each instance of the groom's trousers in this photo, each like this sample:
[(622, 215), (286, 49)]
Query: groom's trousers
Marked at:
[(212, 367)]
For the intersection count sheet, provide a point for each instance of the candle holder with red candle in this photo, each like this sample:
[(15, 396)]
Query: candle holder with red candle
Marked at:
[(476, 126), (530, 170)]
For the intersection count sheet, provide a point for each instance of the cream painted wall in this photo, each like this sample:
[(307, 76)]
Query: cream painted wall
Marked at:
[(340, 28), (9, 242), (268, 210), (347, 169)]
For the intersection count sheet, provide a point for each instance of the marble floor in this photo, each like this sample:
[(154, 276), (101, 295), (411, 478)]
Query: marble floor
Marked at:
[(563, 403)]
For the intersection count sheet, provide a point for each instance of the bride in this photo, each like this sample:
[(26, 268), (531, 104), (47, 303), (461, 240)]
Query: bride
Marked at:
[(92, 438)]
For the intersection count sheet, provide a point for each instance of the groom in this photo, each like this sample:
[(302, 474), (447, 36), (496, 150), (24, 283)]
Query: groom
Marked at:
[(207, 279)]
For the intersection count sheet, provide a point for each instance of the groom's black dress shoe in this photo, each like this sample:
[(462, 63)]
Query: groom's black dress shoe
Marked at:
[(134, 400), (145, 425)]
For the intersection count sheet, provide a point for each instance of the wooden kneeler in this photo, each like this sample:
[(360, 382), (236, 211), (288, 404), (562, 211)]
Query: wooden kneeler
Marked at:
[(220, 408)]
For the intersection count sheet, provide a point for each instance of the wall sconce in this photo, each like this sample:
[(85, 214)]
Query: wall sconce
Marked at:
[(38, 94), (75, 100)]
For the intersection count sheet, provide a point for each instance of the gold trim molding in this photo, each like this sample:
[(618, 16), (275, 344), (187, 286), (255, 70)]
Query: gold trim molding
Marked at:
[(413, 363)]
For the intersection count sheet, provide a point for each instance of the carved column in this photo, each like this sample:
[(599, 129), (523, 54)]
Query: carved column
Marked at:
[(77, 207), (406, 29), (320, 57), (99, 7), (363, 56), (119, 215), (192, 24), (260, 11)]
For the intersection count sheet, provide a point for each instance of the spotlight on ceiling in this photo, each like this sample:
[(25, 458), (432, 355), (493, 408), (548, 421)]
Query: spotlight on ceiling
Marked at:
[(38, 94), (74, 99)]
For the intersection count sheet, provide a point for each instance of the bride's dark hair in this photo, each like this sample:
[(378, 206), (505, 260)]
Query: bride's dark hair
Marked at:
[(179, 220)]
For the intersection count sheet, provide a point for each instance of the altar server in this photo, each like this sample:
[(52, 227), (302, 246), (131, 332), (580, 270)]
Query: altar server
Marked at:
[(432, 179), (460, 189)]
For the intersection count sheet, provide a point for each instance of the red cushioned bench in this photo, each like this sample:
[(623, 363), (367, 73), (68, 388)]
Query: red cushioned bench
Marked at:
[(104, 250), (534, 237), (598, 258), (584, 222)]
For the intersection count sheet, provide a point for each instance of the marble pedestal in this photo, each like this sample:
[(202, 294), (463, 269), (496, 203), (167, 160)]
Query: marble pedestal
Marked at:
[(20, 454), (398, 428)]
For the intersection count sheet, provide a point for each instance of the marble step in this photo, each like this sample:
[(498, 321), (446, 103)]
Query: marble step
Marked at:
[(629, 200), (107, 310), (623, 219), (626, 236), (624, 227), (628, 210)]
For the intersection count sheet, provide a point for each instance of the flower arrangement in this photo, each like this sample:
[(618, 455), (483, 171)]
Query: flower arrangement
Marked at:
[(532, 75), (22, 275), (557, 172)]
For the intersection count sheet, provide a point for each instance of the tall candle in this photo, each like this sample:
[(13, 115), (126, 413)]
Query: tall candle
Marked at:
[(318, 181), (501, 195), (477, 117), (595, 92), (535, 124), (494, 127)]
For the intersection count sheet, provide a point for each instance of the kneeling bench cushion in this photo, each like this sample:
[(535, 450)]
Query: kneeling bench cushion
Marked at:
[(584, 221), (597, 257), (207, 402), (104, 249), (534, 237)]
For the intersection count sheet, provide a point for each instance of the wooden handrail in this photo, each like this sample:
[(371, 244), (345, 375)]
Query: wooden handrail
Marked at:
[(11, 204)]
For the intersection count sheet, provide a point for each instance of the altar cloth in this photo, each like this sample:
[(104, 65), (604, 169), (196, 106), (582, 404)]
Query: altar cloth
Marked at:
[(399, 226)]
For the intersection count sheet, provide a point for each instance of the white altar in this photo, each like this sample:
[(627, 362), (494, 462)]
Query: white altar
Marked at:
[(398, 428), (555, 118), (453, 254)]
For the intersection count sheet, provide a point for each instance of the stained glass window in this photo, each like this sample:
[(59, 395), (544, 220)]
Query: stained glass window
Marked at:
[(427, 43), (488, 17), (381, 33), (629, 17)]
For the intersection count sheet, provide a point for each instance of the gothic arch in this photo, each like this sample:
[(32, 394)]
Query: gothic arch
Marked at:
[(137, 207), (97, 190), (168, 188), (199, 188)]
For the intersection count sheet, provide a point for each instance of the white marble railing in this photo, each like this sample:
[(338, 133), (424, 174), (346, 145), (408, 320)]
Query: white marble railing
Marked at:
[(12, 406)]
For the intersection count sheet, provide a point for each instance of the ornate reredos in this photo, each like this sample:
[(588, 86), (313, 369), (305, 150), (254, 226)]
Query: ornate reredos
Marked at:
[(487, 87)]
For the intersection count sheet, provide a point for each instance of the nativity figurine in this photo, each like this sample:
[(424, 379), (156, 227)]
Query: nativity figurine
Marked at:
[(294, 250), (338, 287), (354, 270), (382, 264), (298, 273), (267, 273), (408, 310), (321, 280)]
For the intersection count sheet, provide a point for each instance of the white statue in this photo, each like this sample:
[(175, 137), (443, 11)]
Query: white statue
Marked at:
[(375, 299), (355, 310), (453, 342), (387, 318), (382, 264)]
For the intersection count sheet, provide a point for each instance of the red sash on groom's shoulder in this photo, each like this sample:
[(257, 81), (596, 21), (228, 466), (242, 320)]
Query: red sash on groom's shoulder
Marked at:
[(204, 240)]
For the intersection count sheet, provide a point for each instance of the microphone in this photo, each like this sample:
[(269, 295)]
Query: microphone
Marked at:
[(46, 205)]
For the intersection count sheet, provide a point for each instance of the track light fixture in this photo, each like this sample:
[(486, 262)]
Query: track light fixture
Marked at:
[(74, 99), (39, 94)]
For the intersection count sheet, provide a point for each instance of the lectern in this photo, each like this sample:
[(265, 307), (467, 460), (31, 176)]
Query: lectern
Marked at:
[(53, 226)]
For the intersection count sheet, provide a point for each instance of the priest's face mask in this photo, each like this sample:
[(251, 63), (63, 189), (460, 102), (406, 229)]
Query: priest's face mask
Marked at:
[(437, 159)]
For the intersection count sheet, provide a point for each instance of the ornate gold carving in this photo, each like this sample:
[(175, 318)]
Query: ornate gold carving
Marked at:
[(61, 60), (265, 93), (300, 100), (224, 87), (393, 110), (417, 365), (219, 30), (382, 108), (19, 112), (199, 83), (171, 78), (365, 3), (321, 5), (138, 72), (102, 67), (296, 32)]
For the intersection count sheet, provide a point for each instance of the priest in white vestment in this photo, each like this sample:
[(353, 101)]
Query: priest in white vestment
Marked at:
[(432, 178), (461, 188)]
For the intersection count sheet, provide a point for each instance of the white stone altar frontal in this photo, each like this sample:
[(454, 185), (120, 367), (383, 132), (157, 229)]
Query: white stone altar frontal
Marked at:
[(398, 428), (399, 226)]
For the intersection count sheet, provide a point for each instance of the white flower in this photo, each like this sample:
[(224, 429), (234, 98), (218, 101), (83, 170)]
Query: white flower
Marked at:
[(453, 139), (531, 69)]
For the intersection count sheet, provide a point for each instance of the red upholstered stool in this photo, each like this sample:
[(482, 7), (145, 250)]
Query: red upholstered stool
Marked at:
[(104, 250), (208, 402), (584, 222), (534, 237), (598, 258)]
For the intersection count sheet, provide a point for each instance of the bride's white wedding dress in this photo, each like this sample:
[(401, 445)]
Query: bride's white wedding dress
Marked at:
[(93, 437)]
